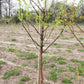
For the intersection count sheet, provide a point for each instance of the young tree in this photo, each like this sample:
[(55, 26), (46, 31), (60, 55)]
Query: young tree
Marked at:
[(42, 15)]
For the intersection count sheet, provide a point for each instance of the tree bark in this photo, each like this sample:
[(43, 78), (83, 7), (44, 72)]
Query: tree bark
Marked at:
[(0, 9)]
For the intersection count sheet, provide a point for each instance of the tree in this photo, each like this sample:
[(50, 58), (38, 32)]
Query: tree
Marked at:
[(0, 9), (42, 16)]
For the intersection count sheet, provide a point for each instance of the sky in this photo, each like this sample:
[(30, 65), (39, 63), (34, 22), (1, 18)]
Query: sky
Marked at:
[(68, 1)]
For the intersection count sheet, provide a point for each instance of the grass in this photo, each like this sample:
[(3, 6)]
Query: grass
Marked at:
[(36, 65), (1, 62), (25, 78), (66, 81), (0, 66), (74, 60), (24, 65), (70, 68), (81, 50), (55, 58), (14, 72), (19, 83), (11, 49), (81, 70), (69, 51), (25, 55), (13, 39), (62, 62), (12, 44), (52, 65), (76, 44), (57, 45), (53, 75)]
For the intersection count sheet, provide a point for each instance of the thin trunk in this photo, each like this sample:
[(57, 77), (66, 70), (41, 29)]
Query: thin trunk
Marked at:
[(0, 9), (9, 7), (41, 47)]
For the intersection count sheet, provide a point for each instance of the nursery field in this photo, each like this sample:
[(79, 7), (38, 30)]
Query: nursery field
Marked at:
[(63, 62)]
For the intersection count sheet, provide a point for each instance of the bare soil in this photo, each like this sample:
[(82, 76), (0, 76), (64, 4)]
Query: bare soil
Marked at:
[(24, 43)]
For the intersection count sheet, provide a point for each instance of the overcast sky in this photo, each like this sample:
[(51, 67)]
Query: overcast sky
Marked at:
[(68, 1)]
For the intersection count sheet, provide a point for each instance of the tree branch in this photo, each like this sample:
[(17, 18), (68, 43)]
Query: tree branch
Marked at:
[(29, 34), (72, 30), (55, 39), (34, 9), (37, 5)]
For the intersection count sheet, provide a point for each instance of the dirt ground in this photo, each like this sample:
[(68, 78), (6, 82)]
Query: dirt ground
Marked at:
[(66, 46)]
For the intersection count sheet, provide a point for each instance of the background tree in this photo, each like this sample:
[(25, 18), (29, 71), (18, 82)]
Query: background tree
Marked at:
[(0, 9)]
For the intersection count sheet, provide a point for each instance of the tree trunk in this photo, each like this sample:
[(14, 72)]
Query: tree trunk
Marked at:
[(0, 9), (9, 7), (41, 47)]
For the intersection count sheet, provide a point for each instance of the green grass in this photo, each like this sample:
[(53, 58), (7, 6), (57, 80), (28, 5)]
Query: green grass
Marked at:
[(11, 49), (74, 60), (81, 50), (24, 65), (52, 65), (19, 83), (13, 39), (81, 69), (14, 72), (62, 62), (53, 75), (1, 62), (55, 58), (25, 55), (36, 65), (81, 38), (66, 81), (69, 51), (0, 66), (76, 44), (25, 78), (57, 45), (12, 44), (70, 68)]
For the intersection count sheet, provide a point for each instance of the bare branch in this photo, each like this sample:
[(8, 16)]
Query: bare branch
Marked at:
[(34, 27), (29, 34), (48, 35), (72, 30), (55, 39), (80, 28), (37, 5), (34, 9)]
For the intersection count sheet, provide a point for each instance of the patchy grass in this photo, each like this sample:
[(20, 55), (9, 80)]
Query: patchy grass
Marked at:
[(70, 68), (74, 60), (13, 39), (53, 75), (81, 50), (69, 51), (26, 55), (62, 62), (36, 65), (11, 49), (25, 78), (52, 65), (1, 62), (14, 72), (66, 81), (24, 65)]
